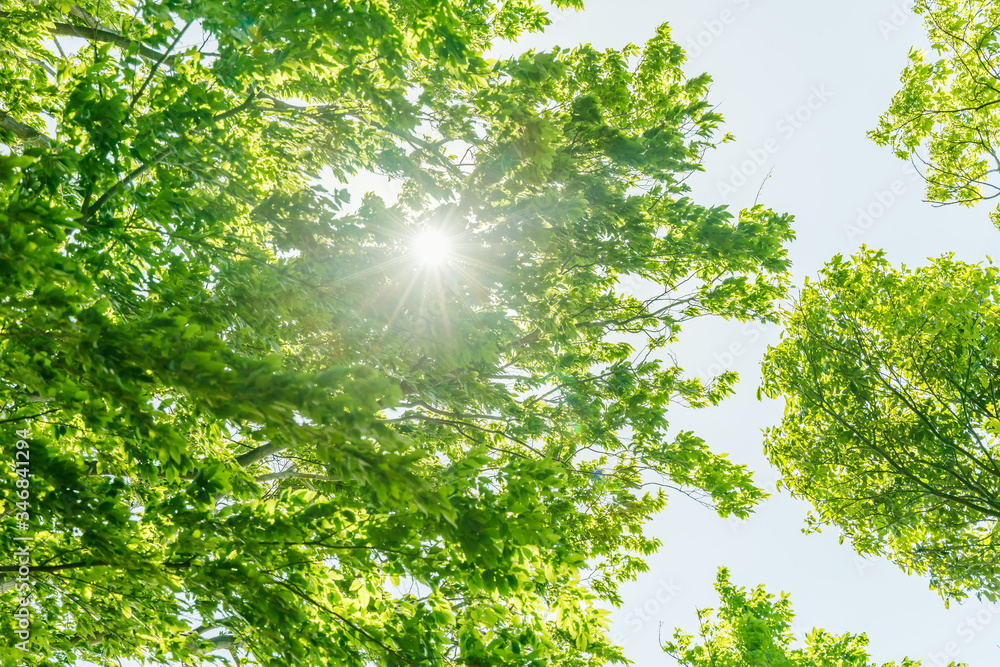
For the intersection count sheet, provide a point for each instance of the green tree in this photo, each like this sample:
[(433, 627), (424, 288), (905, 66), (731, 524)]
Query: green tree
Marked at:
[(891, 380), (753, 629), (257, 419), (946, 116)]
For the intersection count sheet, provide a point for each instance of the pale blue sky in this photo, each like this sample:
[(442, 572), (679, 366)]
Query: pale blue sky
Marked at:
[(799, 84)]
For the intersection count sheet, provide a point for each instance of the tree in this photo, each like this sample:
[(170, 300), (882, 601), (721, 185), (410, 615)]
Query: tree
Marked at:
[(945, 117), (890, 378), (256, 419), (755, 630)]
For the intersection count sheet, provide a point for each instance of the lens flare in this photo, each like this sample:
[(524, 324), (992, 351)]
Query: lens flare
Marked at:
[(431, 248)]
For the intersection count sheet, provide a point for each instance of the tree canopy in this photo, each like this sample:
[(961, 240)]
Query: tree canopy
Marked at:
[(255, 418), (945, 118), (891, 379), (753, 629)]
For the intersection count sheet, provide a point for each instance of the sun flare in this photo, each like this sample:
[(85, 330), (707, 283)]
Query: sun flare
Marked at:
[(431, 248)]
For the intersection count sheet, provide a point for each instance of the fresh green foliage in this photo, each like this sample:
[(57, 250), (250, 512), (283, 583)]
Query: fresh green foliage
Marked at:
[(946, 116), (755, 630), (258, 420), (890, 379)]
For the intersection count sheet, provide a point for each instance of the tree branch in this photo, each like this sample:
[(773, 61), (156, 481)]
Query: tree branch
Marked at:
[(156, 66), (95, 32), (259, 453), (89, 211), (109, 37), (29, 135), (292, 474), (84, 16)]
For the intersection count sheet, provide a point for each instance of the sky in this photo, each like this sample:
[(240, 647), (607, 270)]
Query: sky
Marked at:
[(799, 84)]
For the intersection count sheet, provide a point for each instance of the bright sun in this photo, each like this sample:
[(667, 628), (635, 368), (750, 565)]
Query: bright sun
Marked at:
[(431, 248)]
